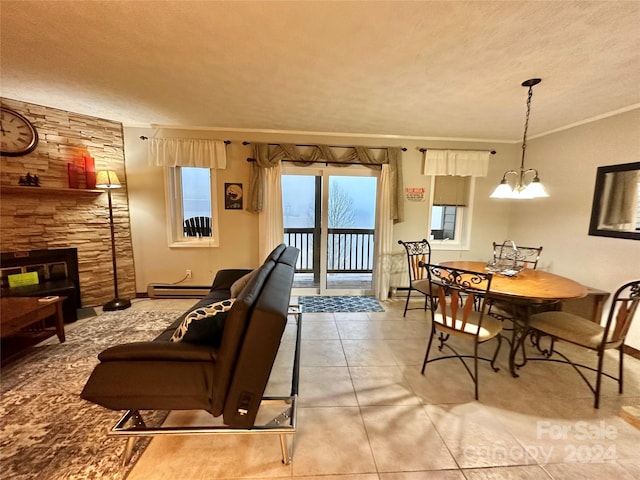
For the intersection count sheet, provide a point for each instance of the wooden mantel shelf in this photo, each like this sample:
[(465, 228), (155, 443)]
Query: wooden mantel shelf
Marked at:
[(47, 190)]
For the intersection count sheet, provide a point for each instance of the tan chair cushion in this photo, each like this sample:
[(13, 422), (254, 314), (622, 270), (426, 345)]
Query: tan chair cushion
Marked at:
[(569, 327), (490, 326), (421, 286)]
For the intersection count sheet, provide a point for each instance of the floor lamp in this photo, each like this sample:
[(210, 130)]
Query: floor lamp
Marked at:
[(109, 180)]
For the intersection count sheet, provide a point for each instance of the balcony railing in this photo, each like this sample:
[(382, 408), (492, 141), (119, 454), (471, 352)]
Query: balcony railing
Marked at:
[(349, 250)]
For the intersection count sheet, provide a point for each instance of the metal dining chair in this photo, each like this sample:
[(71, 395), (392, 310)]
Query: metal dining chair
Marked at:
[(454, 315), (520, 257), (562, 326), (417, 251)]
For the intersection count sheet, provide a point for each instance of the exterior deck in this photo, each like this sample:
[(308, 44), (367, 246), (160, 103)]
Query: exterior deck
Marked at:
[(349, 258), (335, 281)]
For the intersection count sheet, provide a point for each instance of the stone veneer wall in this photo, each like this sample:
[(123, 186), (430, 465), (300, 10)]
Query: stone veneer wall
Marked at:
[(67, 218)]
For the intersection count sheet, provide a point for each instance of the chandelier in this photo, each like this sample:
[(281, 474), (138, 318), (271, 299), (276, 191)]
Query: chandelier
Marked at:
[(526, 182)]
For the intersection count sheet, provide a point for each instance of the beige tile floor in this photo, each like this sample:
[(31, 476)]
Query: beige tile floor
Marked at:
[(367, 413)]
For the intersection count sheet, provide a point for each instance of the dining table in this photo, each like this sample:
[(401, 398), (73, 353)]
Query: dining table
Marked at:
[(527, 289)]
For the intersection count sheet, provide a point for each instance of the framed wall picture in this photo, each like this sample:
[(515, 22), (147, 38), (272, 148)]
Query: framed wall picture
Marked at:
[(233, 196)]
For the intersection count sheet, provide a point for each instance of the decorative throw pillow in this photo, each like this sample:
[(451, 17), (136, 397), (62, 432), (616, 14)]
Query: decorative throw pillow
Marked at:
[(238, 285), (204, 325)]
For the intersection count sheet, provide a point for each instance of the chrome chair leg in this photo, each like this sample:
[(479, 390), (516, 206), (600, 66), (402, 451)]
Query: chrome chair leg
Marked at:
[(287, 449), (128, 451)]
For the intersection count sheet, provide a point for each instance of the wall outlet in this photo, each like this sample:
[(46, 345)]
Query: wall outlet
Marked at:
[(189, 273)]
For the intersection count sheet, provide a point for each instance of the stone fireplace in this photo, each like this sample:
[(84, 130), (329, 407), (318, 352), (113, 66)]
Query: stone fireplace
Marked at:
[(54, 216)]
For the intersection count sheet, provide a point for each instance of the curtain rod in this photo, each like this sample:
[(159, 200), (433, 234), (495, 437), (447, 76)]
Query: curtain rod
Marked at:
[(493, 152), (326, 162), (404, 149), (226, 142)]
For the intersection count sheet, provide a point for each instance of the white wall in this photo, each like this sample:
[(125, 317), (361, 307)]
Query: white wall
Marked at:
[(567, 163)]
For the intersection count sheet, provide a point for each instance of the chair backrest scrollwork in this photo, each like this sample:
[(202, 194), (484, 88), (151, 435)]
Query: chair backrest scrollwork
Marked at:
[(417, 251), (524, 257), (456, 293)]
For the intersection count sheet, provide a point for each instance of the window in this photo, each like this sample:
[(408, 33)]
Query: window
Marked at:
[(192, 207), (451, 210), (443, 222)]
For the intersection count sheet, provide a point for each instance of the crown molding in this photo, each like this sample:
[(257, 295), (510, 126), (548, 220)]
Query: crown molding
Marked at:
[(587, 120), (383, 136), (329, 134)]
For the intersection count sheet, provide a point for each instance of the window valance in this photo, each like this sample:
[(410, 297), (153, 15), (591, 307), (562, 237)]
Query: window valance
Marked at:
[(267, 156), (472, 163), (181, 152)]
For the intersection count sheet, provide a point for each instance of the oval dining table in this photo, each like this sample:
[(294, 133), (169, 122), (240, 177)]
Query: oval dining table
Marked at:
[(529, 287)]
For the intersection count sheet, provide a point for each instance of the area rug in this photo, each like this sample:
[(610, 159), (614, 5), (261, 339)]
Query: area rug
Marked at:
[(47, 430), (339, 304)]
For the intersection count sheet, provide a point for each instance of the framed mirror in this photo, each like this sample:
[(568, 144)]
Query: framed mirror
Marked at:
[(616, 202)]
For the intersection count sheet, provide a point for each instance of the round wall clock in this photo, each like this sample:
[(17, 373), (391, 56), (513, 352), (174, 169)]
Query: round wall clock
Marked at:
[(19, 136)]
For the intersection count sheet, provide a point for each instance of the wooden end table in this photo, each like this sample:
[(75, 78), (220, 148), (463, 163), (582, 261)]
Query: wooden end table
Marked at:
[(17, 313)]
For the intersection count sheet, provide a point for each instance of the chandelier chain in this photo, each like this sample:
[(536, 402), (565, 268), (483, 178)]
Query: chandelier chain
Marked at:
[(526, 126), (525, 183)]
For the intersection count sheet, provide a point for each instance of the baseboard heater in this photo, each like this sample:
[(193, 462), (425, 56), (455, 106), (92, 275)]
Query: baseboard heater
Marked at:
[(160, 290), (398, 292)]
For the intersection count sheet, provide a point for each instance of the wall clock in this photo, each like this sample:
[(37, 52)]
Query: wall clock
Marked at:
[(18, 135)]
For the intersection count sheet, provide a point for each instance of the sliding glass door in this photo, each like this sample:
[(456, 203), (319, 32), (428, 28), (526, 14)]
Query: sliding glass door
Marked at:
[(329, 214)]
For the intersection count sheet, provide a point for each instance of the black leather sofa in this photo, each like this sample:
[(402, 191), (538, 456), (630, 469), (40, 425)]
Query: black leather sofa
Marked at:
[(228, 379)]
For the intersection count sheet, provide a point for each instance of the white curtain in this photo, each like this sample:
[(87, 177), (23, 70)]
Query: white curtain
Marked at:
[(384, 236), (620, 201), (270, 218), (462, 163), (181, 152)]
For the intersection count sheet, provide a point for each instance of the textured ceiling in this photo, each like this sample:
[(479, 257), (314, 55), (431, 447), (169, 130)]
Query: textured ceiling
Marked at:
[(411, 69)]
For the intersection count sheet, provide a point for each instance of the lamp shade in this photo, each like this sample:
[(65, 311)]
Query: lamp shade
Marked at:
[(503, 190), (521, 193), (107, 179), (535, 189)]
